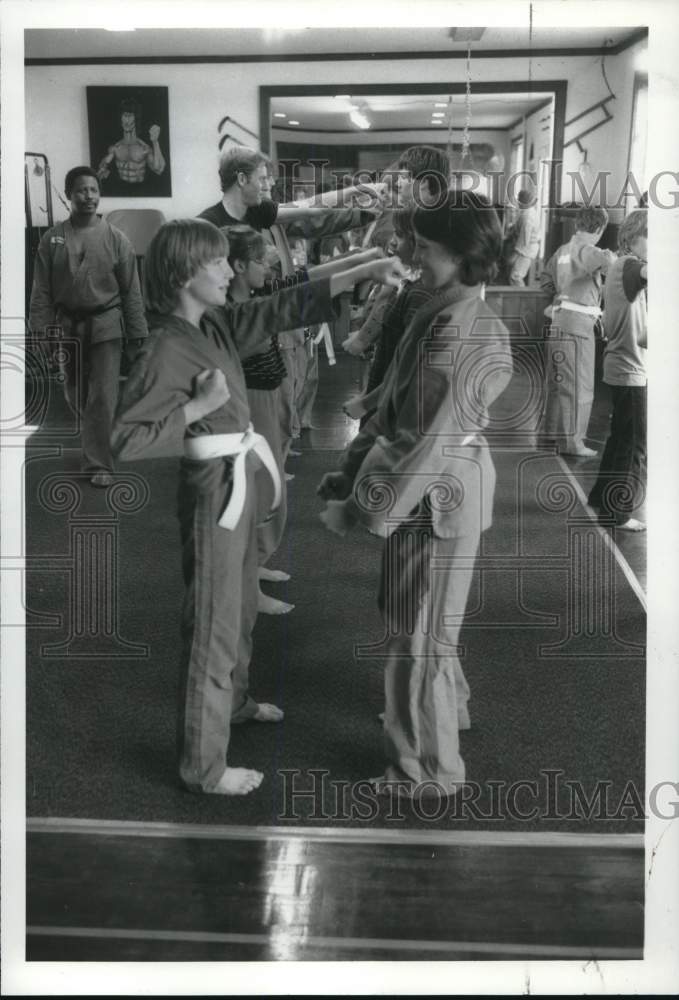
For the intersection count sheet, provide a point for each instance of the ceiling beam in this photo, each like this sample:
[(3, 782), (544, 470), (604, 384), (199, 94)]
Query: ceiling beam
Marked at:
[(522, 53)]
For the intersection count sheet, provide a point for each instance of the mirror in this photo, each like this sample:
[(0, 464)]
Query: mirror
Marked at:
[(515, 131)]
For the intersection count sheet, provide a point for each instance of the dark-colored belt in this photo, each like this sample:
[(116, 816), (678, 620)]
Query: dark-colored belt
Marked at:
[(79, 316)]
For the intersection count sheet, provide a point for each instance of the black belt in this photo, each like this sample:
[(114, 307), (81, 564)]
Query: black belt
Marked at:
[(79, 316)]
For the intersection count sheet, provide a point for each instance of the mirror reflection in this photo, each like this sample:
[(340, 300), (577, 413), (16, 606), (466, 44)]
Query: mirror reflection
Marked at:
[(500, 143)]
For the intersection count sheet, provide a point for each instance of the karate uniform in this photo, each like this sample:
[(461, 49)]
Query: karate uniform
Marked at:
[(526, 246), (574, 276), (264, 371), (219, 564), (423, 476), (94, 297), (299, 353)]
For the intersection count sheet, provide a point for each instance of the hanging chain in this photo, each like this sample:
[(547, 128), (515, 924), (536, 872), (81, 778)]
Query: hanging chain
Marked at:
[(530, 48), (468, 108), (449, 140)]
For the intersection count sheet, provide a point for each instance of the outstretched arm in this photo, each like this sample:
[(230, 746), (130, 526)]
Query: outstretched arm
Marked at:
[(369, 194), (338, 264), (251, 323)]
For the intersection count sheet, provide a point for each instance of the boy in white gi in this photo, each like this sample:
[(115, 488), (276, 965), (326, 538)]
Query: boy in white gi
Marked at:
[(574, 275), (186, 396)]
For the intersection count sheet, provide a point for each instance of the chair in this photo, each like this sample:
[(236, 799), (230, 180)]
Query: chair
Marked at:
[(140, 225)]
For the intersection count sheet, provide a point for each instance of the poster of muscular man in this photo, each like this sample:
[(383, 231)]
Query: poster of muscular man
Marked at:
[(130, 140)]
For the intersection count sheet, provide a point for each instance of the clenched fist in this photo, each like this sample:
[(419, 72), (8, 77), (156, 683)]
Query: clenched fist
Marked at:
[(334, 486), (211, 390), (154, 133)]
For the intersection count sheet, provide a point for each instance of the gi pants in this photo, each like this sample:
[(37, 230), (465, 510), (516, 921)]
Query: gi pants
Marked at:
[(265, 413), (218, 616), (423, 596), (309, 386), (295, 361), (621, 483), (569, 370), (519, 267), (91, 382)]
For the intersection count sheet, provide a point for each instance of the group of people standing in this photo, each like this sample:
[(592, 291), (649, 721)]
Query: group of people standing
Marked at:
[(216, 380)]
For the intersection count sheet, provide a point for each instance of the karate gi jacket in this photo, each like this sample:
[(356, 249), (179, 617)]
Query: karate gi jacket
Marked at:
[(150, 422), (575, 274), (102, 288), (425, 439)]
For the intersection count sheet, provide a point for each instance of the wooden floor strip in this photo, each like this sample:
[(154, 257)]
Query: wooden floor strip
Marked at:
[(452, 838), (349, 944)]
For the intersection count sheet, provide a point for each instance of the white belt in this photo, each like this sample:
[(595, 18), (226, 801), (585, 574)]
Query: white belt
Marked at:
[(577, 308), (237, 445)]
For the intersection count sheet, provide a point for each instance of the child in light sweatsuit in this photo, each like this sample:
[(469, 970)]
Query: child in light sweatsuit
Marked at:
[(574, 276), (620, 486)]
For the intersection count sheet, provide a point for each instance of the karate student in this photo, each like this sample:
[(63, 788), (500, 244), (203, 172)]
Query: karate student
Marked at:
[(420, 473), (574, 277), (186, 396), (264, 371), (386, 327), (246, 179), (620, 486), (86, 284), (526, 238)]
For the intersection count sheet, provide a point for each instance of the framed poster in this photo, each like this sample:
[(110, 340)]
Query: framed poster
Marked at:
[(129, 133)]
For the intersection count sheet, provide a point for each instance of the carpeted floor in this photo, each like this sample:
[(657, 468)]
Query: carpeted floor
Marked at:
[(570, 727)]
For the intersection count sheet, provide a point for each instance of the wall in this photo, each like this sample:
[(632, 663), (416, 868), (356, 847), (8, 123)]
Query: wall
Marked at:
[(201, 94)]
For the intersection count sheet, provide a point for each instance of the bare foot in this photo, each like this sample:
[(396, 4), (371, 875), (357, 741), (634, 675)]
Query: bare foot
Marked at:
[(267, 713), (582, 452), (632, 525), (273, 575), (289, 476), (294, 453), (463, 720), (270, 606), (238, 781)]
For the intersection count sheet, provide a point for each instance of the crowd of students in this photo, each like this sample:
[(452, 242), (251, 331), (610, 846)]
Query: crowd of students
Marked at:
[(219, 378)]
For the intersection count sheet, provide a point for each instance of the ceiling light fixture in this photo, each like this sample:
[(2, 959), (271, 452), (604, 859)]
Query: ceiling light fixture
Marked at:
[(438, 114), (466, 34), (440, 104), (358, 119), (291, 122), (279, 114)]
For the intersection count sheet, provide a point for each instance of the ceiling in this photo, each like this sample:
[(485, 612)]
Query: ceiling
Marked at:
[(60, 43), (489, 111)]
